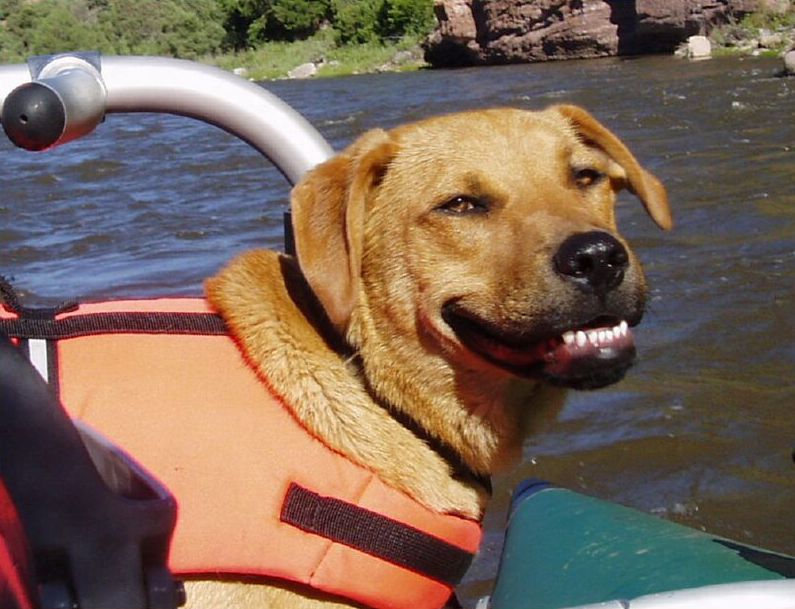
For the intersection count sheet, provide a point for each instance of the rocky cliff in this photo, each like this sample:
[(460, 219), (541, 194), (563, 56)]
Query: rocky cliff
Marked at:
[(477, 32)]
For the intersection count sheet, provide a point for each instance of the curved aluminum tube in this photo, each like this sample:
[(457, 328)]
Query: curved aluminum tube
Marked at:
[(209, 94), (11, 76), (215, 96)]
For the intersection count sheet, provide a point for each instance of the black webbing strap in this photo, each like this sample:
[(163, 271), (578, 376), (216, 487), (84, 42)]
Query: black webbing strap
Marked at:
[(114, 323), (40, 323), (39, 327), (375, 534), (10, 298)]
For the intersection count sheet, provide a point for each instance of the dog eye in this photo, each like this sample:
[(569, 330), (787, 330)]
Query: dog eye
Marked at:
[(587, 177), (464, 204)]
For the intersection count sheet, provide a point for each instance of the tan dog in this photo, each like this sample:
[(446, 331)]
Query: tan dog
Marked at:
[(457, 273)]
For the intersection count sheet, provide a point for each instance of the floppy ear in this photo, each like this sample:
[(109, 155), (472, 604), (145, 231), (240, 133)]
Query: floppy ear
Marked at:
[(640, 182), (328, 207)]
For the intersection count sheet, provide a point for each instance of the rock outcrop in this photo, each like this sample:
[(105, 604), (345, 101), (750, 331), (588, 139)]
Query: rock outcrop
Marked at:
[(477, 32)]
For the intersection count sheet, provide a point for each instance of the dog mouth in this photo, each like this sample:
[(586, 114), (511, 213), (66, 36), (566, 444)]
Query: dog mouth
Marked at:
[(593, 355)]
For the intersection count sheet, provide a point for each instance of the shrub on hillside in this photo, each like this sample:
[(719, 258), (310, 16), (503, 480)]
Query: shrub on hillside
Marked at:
[(365, 21), (398, 18), (178, 28), (356, 21)]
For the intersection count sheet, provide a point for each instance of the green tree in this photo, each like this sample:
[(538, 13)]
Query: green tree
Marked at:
[(59, 29), (356, 21), (237, 18), (294, 19), (180, 28), (368, 21), (45, 27), (248, 22), (241, 17), (13, 33), (398, 18), (192, 28)]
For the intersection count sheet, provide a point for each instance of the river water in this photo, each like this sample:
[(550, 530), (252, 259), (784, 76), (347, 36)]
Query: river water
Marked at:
[(701, 431)]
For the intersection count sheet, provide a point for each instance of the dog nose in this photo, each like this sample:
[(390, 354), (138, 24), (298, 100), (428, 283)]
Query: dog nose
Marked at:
[(595, 261)]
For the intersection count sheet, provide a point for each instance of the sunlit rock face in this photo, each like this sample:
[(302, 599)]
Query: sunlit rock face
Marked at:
[(476, 32)]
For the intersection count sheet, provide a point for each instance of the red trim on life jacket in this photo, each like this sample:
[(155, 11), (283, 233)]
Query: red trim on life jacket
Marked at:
[(190, 409), (16, 587)]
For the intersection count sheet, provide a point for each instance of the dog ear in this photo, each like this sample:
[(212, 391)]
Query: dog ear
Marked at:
[(640, 182), (328, 210)]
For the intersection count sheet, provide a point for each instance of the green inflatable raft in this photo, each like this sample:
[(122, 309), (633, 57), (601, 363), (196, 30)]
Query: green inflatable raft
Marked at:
[(564, 550)]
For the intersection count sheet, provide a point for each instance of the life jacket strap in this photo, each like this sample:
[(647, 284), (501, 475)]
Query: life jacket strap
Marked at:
[(36, 329), (10, 298), (149, 322), (375, 534), (51, 323)]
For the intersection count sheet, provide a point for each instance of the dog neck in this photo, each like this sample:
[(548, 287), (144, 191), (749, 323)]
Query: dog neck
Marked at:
[(460, 469), (268, 308), (483, 418)]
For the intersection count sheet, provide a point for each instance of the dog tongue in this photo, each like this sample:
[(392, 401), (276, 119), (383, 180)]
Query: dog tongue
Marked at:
[(583, 351)]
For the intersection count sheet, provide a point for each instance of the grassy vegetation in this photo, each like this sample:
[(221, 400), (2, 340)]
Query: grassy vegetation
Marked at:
[(762, 33), (774, 21), (272, 60), (267, 37)]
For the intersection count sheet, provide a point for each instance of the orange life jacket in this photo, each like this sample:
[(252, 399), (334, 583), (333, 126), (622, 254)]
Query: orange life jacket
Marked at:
[(257, 494)]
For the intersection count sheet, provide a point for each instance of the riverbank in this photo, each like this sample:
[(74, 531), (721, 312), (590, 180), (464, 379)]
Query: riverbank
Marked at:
[(320, 56), (763, 33)]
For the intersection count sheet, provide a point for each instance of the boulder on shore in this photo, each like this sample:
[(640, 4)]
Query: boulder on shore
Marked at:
[(305, 70), (789, 63), (478, 32), (699, 47)]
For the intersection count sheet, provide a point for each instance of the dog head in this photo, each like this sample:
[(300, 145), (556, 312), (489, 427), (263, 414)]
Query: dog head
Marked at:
[(489, 237)]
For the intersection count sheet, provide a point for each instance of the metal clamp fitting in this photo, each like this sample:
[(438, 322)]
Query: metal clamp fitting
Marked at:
[(65, 100)]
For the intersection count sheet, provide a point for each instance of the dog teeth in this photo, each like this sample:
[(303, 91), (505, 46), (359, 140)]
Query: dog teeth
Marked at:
[(621, 330), (581, 338)]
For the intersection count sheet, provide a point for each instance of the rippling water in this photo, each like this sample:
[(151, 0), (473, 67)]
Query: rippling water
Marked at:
[(701, 431)]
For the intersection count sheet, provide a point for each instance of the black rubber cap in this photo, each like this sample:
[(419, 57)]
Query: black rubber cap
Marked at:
[(33, 116)]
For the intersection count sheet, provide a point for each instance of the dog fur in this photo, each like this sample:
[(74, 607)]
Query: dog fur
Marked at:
[(463, 212)]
